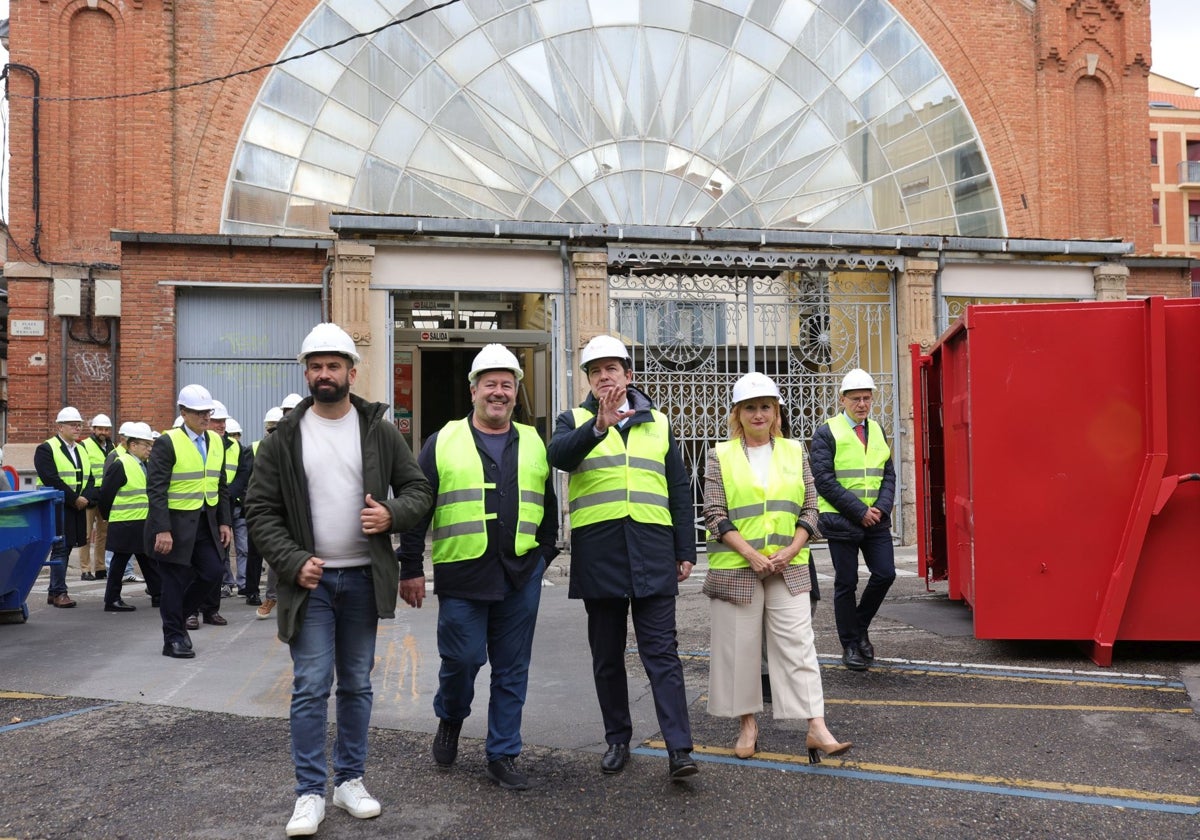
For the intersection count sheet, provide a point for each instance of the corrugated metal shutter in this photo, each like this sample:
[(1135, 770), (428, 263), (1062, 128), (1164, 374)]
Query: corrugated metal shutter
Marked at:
[(241, 345)]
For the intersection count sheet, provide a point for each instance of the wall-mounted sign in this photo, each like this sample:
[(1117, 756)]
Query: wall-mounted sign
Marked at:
[(435, 335), (27, 328)]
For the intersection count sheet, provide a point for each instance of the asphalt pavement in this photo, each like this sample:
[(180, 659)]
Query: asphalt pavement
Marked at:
[(954, 737)]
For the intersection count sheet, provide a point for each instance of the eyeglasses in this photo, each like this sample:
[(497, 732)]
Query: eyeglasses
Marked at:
[(858, 399), (207, 413)]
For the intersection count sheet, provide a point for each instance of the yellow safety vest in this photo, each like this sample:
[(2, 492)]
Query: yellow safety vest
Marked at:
[(612, 483), (858, 470), (459, 515), (131, 504), (68, 473), (765, 516), (96, 457), (231, 464), (195, 483)]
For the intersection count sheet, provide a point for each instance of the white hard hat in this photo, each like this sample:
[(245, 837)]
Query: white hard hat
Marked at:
[(602, 347), (233, 427), (124, 430), (195, 397), (327, 338), (178, 421), (290, 401), (857, 380), (495, 357), (138, 431), (101, 420), (70, 414), (220, 412), (755, 385), (155, 435), (273, 415)]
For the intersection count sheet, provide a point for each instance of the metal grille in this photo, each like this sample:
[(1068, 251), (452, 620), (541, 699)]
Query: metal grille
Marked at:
[(693, 335)]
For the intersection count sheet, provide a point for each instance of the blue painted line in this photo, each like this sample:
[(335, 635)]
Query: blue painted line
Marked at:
[(972, 787), (13, 726)]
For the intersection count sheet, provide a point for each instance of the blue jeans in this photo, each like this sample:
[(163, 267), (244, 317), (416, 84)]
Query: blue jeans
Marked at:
[(876, 547), (58, 573), (338, 632), (471, 633)]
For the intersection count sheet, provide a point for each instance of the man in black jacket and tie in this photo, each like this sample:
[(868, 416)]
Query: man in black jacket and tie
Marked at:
[(62, 464)]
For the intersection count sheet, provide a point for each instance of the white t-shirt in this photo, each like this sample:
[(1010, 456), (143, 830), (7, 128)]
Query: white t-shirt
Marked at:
[(760, 462), (333, 465)]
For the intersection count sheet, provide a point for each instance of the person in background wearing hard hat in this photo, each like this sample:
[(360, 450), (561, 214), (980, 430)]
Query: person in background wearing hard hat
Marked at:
[(254, 561), (318, 508), (92, 554), (289, 404), (852, 468), (495, 528), (632, 541), (237, 496), (223, 588), (188, 523), (124, 503), (760, 509), (62, 464)]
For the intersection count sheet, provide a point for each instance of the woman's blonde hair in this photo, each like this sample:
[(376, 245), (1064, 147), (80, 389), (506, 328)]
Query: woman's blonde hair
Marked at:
[(735, 422)]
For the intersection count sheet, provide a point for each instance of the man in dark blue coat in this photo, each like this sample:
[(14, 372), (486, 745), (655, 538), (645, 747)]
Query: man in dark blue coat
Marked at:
[(632, 541)]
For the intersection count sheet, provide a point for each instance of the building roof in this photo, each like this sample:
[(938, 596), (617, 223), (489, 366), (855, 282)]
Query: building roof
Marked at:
[(1177, 101)]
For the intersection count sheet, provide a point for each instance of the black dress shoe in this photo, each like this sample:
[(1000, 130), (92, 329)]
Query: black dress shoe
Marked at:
[(192, 623), (215, 619), (187, 640), (253, 601), (87, 576), (101, 574), (178, 650), (680, 764), (866, 648), (119, 606), (154, 600), (615, 758), (853, 659)]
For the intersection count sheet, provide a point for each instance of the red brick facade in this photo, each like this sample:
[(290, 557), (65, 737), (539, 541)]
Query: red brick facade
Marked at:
[(1057, 90)]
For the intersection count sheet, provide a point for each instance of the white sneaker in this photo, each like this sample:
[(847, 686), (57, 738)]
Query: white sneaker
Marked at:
[(310, 810), (353, 797)]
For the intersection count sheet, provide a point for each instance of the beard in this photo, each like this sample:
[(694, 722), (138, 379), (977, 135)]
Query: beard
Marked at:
[(329, 392)]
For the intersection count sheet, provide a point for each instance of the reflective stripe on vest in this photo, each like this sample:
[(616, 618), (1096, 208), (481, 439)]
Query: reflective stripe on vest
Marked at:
[(766, 517), (70, 475), (459, 514), (231, 464), (131, 504), (612, 483), (195, 483), (96, 457), (858, 470)]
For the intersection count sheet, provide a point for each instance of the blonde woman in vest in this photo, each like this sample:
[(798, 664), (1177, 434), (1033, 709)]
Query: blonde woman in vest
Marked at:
[(124, 504), (760, 508)]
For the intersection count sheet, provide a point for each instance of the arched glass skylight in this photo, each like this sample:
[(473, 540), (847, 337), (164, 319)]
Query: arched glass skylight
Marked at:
[(822, 114)]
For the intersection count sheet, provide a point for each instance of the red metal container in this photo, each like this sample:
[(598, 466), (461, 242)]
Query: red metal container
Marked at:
[(1057, 450)]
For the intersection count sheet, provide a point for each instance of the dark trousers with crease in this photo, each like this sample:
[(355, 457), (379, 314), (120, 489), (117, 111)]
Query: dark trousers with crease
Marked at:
[(186, 585), (876, 547), (654, 629)]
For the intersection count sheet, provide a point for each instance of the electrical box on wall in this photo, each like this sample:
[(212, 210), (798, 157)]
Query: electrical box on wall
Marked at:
[(66, 296), (108, 298)]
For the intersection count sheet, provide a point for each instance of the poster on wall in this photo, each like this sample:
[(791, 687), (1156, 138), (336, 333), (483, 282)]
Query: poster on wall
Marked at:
[(402, 398)]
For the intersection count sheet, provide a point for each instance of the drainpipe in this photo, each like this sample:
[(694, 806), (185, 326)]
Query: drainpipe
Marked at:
[(568, 343), (113, 345), (326, 272)]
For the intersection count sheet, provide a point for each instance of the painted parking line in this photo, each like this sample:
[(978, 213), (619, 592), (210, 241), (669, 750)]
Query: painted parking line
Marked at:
[(50, 719), (1041, 707), (1114, 797)]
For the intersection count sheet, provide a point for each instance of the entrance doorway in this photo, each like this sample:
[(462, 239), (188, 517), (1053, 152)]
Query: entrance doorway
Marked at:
[(432, 387)]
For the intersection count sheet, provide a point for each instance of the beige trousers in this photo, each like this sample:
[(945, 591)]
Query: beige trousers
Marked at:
[(91, 553), (734, 677)]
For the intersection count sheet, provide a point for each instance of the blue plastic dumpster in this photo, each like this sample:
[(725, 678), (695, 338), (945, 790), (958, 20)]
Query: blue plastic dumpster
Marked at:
[(28, 528)]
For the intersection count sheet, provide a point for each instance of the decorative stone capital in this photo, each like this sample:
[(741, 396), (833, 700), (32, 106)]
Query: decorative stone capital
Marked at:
[(1111, 281), (350, 283), (590, 269), (915, 304)]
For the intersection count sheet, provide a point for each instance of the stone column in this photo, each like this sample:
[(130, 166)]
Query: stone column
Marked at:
[(1112, 281), (915, 319), (590, 269), (349, 307)]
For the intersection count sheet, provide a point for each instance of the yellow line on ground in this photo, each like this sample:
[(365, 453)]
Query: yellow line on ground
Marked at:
[(1035, 680), (971, 778), (25, 695), (1048, 707)]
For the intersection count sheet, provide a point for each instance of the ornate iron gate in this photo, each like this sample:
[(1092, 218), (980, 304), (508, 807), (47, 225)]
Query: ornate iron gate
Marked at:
[(697, 320)]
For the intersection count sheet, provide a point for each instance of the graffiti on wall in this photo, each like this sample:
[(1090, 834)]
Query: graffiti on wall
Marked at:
[(91, 366)]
